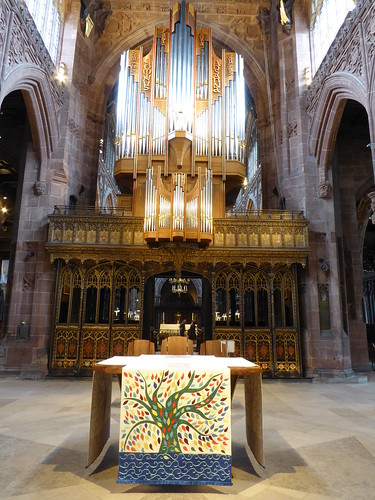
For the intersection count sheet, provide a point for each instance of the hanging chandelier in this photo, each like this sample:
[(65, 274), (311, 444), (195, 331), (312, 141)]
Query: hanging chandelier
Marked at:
[(179, 285)]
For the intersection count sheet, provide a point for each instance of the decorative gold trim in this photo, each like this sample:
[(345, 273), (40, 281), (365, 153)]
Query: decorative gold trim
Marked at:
[(264, 238)]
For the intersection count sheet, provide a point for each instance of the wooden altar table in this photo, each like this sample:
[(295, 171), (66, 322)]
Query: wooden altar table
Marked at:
[(102, 396)]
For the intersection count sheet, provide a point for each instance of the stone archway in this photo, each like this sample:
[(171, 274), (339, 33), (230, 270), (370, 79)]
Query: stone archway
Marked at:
[(337, 89), (351, 174)]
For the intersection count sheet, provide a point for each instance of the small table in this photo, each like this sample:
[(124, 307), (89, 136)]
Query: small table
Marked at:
[(100, 418)]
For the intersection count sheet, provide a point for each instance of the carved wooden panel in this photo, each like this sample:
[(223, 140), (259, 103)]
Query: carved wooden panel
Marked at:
[(121, 336), (258, 348), (287, 352), (65, 347), (230, 334), (94, 345)]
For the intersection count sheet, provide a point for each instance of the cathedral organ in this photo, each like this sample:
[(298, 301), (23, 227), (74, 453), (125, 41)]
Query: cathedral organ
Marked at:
[(180, 131)]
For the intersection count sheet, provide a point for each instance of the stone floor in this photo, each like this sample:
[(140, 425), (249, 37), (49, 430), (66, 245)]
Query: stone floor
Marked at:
[(319, 443)]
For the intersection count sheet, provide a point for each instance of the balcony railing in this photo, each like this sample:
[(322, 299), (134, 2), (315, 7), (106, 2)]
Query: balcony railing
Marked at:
[(88, 226), (82, 211)]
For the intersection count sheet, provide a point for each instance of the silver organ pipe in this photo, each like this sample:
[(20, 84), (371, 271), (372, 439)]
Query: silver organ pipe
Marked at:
[(216, 127), (147, 135), (201, 134), (157, 68), (154, 131), (164, 212), (178, 205), (192, 213), (172, 84), (209, 187), (241, 107), (181, 91), (144, 125), (213, 128), (126, 120), (229, 111), (203, 210), (161, 73), (198, 78), (150, 205), (134, 114), (122, 97), (141, 123), (158, 139), (202, 73), (220, 126), (153, 205), (127, 125), (165, 70), (235, 126), (206, 204), (206, 71), (227, 127), (235, 114), (161, 66)]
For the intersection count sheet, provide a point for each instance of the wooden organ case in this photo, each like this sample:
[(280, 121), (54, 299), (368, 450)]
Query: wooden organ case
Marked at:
[(180, 132)]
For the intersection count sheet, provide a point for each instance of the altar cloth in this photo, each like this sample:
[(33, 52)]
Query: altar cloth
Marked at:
[(175, 424)]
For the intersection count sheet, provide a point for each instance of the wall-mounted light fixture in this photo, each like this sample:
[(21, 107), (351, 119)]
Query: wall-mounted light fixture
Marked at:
[(61, 73), (3, 211), (307, 76)]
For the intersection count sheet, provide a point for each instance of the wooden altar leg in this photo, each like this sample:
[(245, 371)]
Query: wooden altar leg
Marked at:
[(233, 383), (254, 418), (100, 419)]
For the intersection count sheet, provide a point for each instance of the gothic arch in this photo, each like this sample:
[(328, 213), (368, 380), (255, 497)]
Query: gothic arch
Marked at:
[(40, 106), (337, 89)]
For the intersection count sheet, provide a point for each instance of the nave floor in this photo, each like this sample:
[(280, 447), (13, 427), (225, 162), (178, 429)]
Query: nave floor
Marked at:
[(319, 444)]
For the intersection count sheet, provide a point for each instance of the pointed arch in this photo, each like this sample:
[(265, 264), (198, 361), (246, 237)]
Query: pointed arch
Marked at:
[(337, 89), (41, 108)]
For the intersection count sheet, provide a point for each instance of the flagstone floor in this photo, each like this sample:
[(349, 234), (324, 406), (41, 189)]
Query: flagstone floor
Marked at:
[(319, 444)]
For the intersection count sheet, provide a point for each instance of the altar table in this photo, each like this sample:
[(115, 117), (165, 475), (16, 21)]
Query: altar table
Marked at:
[(102, 396)]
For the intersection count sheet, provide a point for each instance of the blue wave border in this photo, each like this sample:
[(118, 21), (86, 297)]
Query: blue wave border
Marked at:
[(177, 468)]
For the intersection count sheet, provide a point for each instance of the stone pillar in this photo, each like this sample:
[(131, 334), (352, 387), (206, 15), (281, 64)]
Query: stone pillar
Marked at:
[(372, 199)]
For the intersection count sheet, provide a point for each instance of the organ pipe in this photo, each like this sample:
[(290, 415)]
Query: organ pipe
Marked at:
[(181, 91), (173, 211)]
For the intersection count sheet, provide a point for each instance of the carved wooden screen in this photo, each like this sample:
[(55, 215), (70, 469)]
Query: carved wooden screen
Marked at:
[(65, 345), (258, 310), (97, 313)]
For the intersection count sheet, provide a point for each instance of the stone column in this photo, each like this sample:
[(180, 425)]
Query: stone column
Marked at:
[(372, 199)]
